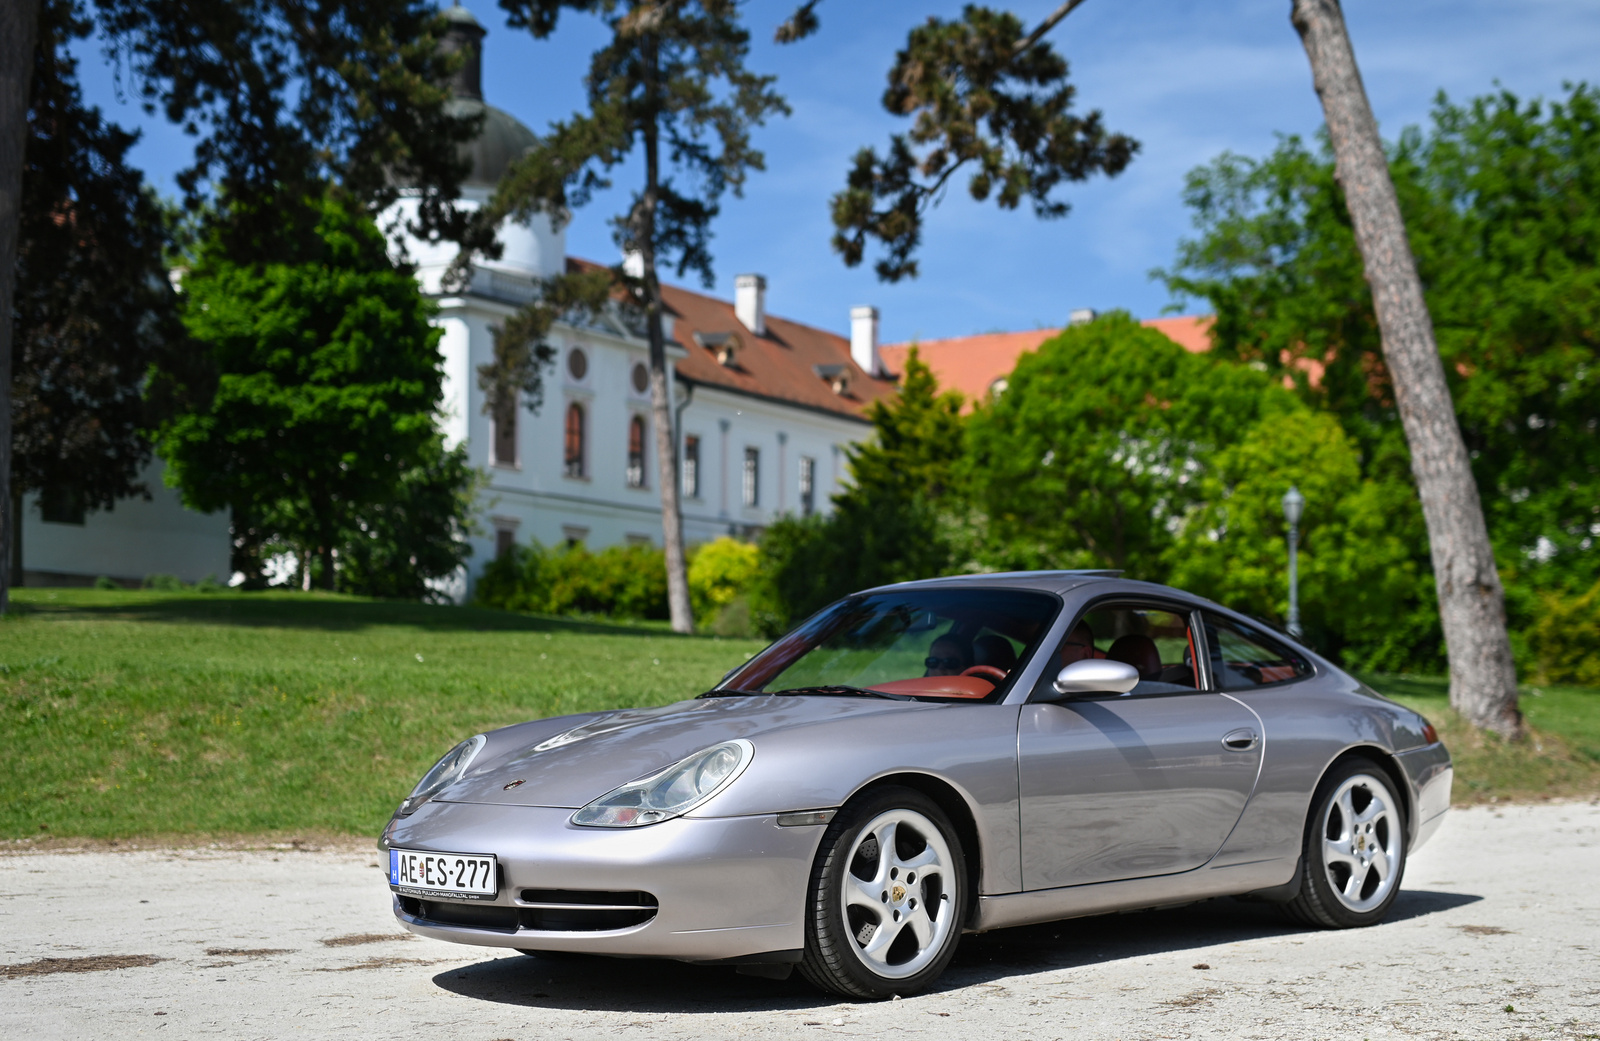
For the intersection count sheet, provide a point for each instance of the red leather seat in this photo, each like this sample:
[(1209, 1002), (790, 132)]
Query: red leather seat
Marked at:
[(1140, 652)]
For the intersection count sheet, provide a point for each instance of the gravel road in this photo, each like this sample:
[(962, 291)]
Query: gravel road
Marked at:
[(1497, 935)]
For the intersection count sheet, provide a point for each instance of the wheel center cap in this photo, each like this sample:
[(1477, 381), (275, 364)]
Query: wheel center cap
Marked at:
[(897, 893)]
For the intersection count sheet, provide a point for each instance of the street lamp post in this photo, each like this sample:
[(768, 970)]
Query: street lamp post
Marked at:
[(1293, 505)]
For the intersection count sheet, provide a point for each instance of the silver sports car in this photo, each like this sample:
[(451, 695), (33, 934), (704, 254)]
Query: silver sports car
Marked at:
[(922, 760)]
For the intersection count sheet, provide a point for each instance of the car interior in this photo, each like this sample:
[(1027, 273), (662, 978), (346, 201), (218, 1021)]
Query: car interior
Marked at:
[(961, 644), (1156, 642)]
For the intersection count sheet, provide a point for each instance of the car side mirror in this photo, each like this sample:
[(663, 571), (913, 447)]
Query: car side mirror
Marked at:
[(1096, 676)]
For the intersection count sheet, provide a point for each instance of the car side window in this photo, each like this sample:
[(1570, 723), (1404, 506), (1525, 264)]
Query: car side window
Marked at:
[(1155, 641), (1243, 657)]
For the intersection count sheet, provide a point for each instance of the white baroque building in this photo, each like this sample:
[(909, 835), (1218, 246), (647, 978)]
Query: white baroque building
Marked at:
[(765, 408)]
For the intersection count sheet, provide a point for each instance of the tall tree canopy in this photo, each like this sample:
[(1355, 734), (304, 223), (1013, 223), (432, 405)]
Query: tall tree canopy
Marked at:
[(320, 432), (1502, 199), (93, 309), (281, 95), (669, 85)]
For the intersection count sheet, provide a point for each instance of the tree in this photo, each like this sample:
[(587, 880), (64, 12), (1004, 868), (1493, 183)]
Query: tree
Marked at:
[(18, 23), (1500, 199), (891, 524), (93, 308), (983, 96), (1366, 599), (282, 97), (1483, 678), (1113, 447), (670, 78), (321, 428), (1093, 454)]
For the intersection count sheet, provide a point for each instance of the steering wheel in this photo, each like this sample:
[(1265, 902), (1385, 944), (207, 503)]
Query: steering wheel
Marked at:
[(992, 673)]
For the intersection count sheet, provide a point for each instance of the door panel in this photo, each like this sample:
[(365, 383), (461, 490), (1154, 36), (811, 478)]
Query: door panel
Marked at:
[(1126, 787)]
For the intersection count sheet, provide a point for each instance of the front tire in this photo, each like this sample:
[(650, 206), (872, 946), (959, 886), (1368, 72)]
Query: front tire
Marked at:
[(1355, 849), (888, 896)]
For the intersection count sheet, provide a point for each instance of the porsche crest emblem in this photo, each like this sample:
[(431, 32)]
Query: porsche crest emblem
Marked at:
[(514, 784)]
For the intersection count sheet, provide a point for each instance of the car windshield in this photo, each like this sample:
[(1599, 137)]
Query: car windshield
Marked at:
[(935, 643)]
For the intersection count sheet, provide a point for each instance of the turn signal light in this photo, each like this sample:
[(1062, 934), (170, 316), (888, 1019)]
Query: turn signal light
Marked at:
[(1429, 734)]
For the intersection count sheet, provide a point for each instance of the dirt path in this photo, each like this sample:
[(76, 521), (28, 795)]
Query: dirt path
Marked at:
[(1496, 936)]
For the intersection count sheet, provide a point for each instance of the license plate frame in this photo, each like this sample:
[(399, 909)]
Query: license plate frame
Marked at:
[(412, 870)]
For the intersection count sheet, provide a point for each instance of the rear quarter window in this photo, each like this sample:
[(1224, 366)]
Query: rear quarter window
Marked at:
[(1243, 657)]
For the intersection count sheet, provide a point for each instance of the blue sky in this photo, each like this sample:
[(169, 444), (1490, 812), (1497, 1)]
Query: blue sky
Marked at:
[(1189, 80)]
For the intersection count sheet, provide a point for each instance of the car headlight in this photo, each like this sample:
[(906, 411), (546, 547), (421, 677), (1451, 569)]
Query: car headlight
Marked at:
[(445, 772), (671, 792)]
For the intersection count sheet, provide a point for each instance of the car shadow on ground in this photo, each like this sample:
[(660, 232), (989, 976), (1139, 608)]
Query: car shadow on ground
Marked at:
[(637, 985)]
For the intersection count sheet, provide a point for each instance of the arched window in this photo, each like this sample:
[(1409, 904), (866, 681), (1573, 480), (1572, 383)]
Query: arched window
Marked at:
[(636, 452), (572, 457)]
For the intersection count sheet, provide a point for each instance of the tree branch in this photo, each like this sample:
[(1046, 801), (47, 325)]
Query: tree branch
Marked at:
[(1051, 21)]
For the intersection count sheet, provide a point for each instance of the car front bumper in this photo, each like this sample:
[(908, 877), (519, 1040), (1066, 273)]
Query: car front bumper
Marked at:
[(726, 888)]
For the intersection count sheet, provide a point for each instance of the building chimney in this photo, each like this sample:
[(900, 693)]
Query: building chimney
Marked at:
[(465, 34), (750, 302), (864, 339)]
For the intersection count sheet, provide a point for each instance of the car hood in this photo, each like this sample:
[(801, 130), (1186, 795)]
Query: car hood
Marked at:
[(572, 766)]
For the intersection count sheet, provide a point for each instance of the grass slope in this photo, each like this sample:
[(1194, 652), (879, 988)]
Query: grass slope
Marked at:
[(144, 714), (129, 714)]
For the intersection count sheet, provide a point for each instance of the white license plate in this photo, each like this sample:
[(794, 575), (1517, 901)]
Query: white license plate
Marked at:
[(460, 876)]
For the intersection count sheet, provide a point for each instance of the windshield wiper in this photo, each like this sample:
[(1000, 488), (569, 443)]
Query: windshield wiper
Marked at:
[(731, 692), (840, 690)]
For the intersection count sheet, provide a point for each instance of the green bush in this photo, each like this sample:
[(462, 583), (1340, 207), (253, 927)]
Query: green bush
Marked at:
[(618, 582), (1564, 640), (719, 572), (164, 583), (106, 582)]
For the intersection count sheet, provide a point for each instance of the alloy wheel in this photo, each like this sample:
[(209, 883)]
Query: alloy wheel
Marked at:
[(896, 893)]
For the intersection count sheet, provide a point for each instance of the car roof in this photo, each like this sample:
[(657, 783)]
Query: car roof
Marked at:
[(1057, 582)]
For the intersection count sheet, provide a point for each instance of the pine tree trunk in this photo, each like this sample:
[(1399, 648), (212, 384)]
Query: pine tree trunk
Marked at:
[(19, 21), (1483, 679), (679, 607)]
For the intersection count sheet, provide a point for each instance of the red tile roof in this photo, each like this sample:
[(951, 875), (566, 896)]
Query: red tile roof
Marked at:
[(780, 365), (971, 364)]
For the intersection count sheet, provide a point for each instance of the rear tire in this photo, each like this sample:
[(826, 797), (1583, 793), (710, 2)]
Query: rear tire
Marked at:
[(1354, 853), (888, 897)]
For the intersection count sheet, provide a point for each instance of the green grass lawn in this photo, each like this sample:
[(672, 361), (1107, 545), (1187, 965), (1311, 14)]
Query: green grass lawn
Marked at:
[(147, 714), (162, 715)]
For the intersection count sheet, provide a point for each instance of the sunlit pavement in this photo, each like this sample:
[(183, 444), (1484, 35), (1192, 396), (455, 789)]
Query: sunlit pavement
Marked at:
[(1497, 935)]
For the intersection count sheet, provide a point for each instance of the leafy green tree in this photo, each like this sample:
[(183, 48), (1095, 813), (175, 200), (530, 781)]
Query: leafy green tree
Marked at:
[(898, 520), (1114, 447), (1365, 595), (281, 96), (1094, 451), (1502, 199), (321, 426), (668, 85), (93, 309)]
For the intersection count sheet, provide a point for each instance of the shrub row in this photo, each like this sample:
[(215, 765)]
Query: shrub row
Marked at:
[(623, 582)]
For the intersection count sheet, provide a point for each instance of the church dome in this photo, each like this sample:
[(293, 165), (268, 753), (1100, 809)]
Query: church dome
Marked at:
[(501, 139)]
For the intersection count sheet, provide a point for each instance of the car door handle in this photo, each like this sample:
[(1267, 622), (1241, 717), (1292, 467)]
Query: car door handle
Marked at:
[(1241, 740)]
